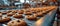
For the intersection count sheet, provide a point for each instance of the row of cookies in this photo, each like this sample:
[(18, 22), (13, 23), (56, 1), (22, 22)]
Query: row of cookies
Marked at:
[(34, 12), (30, 14)]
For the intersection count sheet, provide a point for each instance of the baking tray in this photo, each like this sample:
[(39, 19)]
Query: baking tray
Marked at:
[(29, 22), (32, 23)]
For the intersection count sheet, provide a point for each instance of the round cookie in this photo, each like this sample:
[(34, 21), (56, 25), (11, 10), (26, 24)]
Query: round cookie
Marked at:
[(47, 11), (4, 19), (10, 14), (17, 23), (30, 17), (35, 15), (4, 12), (0, 14), (33, 11), (28, 13), (14, 11), (40, 14), (20, 11), (9, 11), (18, 16), (44, 12)]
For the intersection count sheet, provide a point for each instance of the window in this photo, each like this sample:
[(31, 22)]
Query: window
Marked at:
[(27, 1), (6, 2), (22, 1)]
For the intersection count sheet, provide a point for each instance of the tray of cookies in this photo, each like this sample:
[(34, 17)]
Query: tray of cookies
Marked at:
[(22, 17)]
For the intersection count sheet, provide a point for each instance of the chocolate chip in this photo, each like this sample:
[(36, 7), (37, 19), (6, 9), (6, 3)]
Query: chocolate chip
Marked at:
[(12, 22), (5, 17), (18, 21)]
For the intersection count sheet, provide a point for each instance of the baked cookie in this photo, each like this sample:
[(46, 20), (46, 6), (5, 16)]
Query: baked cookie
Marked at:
[(28, 13), (44, 12), (9, 11), (35, 15), (20, 11), (0, 14), (4, 19), (10, 14), (18, 16), (4, 12), (30, 17), (17, 23), (40, 14), (14, 11)]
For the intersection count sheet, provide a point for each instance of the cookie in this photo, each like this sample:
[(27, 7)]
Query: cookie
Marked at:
[(18, 16), (20, 11), (30, 17), (17, 23), (10, 14), (4, 19), (28, 13)]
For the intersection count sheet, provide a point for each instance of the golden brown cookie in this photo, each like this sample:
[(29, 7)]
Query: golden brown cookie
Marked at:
[(10, 14), (18, 16), (28, 13), (14, 11), (30, 17), (44, 12), (20, 11), (0, 14), (4, 19), (40, 14), (35, 15), (9, 11), (4, 12), (17, 23)]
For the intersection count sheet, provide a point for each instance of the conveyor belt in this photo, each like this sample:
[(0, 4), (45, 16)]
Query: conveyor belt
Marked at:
[(46, 20)]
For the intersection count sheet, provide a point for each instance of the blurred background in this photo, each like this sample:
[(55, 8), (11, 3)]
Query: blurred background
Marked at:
[(19, 4), (24, 4)]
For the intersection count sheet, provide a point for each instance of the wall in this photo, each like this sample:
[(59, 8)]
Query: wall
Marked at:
[(1, 2)]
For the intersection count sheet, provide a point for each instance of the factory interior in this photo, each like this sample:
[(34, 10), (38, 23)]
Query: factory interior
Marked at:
[(29, 12)]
